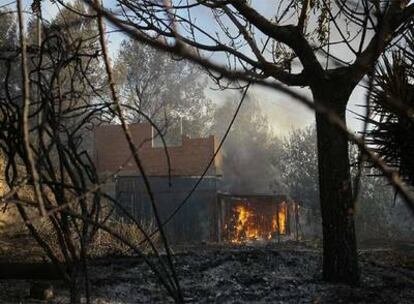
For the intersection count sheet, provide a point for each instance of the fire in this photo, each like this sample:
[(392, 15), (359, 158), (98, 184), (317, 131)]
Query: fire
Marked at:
[(244, 228), (281, 217), (279, 220), (248, 223)]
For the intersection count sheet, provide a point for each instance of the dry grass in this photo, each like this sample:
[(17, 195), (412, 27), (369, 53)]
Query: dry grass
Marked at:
[(8, 216), (105, 244), (14, 233), (17, 238)]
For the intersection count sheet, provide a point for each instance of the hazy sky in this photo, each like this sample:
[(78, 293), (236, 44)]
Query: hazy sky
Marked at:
[(283, 112)]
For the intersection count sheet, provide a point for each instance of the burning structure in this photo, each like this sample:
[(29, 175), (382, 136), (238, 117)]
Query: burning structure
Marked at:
[(242, 218), (207, 215)]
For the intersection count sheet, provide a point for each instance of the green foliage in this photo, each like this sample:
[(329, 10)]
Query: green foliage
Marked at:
[(166, 89), (375, 205), (7, 29), (9, 63), (71, 64), (299, 167), (378, 215)]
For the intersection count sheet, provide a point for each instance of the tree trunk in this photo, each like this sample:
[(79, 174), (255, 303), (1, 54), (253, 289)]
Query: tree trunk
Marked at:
[(340, 260), (75, 287)]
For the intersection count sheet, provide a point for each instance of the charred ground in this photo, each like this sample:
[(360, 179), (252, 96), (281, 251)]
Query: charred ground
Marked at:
[(272, 273)]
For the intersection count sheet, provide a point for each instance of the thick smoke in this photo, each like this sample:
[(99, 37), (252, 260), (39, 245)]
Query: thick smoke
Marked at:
[(248, 149)]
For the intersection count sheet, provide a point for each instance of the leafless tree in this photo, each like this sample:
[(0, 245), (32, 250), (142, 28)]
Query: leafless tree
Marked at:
[(48, 111), (326, 46)]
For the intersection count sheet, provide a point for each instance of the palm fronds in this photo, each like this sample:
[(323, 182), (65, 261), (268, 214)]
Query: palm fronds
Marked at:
[(392, 111)]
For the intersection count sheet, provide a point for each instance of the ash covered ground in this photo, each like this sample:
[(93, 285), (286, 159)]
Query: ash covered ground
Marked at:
[(275, 273)]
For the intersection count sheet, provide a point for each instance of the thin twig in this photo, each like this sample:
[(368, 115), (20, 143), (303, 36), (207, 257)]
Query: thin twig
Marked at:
[(26, 110)]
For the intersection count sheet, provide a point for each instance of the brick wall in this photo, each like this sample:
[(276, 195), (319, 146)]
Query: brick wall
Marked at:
[(188, 159)]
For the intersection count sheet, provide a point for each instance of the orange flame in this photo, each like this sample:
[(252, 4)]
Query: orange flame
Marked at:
[(251, 226), (282, 218), (244, 228)]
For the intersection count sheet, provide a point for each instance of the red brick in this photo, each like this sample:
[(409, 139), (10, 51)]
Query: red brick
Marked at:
[(189, 159)]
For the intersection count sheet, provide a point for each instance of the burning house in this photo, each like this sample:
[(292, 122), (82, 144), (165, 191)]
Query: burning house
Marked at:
[(207, 215), (243, 218)]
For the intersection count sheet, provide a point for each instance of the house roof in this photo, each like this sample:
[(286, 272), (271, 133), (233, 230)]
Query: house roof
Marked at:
[(188, 159)]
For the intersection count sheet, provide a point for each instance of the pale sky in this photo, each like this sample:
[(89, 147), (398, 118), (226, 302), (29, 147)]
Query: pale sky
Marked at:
[(283, 113)]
